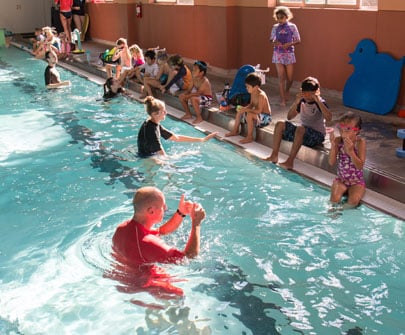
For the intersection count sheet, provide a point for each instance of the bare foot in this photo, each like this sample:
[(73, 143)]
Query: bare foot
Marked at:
[(282, 103), (198, 120), (271, 158), (186, 116), (286, 165), (246, 140), (231, 134)]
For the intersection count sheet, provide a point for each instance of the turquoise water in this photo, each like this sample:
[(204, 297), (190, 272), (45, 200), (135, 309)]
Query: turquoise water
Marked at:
[(274, 259)]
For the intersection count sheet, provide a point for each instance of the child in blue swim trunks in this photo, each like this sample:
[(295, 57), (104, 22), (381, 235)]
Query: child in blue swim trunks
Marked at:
[(258, 112)]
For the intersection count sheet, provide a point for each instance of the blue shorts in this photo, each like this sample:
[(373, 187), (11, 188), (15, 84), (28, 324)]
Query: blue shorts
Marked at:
[(163, 78), (312, 137), (263, 120)]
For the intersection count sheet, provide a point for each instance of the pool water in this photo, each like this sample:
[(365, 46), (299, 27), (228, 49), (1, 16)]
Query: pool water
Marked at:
[(275, 259)]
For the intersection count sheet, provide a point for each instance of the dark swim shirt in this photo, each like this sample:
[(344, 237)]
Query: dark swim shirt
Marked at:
[(50, 77), (149, 138)]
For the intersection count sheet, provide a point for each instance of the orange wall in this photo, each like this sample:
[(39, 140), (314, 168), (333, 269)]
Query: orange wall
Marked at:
[(228, 37)]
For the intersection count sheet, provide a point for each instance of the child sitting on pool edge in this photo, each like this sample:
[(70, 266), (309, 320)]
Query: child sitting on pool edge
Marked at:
[(349, 151), (313, 112), (162, 75), (200, 95), (257, 112), (180, 77)]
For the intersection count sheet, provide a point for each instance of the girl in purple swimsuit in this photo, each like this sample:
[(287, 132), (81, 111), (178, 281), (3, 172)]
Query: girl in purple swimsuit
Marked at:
[(284, 36), (349, 151)]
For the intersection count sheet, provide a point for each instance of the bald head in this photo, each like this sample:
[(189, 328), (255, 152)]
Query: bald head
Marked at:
[(146, 197)]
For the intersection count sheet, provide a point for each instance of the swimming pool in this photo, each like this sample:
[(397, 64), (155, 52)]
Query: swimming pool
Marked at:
[(274, 258)]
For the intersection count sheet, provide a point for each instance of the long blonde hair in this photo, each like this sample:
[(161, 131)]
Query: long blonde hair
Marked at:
[(135, 49)]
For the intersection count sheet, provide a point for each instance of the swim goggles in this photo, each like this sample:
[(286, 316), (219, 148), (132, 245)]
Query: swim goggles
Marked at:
[(347, 128), (197, 62)]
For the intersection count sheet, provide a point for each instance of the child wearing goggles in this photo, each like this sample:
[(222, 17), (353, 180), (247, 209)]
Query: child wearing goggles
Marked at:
[(349, 151)]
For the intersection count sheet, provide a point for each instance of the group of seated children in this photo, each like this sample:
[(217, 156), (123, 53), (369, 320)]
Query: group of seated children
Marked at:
[(173, 75), (121, 59), (47, 39)]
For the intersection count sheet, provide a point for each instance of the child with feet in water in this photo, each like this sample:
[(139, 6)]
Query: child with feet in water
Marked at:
[(349, 151)]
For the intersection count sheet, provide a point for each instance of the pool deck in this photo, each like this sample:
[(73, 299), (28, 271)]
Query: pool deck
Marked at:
[(384, 171)]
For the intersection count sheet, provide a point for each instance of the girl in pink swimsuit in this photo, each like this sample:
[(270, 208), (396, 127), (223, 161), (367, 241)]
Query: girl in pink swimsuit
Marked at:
[(349, 151)]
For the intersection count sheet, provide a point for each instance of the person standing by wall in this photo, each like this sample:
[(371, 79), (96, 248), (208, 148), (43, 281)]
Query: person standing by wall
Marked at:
[(284, 36), (78, 15), (65, 14)]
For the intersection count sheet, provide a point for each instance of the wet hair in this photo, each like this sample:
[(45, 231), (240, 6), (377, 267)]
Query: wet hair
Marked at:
[(282, 10), (47, 54), (153, 105), (253, 79), (175, 60), (350, 116), (310, 84), (150, 54), (201, 65), (108, 83), (108, 92)]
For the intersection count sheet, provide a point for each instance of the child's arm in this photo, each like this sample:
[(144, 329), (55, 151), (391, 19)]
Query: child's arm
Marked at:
[(324, 109), (359, 159), (334, 141), (182, 138), (292, 112), (181, 73), (262, 105)]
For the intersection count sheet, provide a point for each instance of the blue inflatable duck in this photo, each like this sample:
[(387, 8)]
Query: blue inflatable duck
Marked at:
[(375, 83)]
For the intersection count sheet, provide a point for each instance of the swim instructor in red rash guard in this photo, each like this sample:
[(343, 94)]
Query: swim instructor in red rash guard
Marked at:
[(136, 242)]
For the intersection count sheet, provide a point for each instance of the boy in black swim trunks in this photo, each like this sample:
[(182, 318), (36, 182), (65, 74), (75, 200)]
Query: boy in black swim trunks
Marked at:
[(313, 112)]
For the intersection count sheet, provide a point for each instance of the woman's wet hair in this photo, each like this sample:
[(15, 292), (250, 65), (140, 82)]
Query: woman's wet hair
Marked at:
[(153, 105)]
